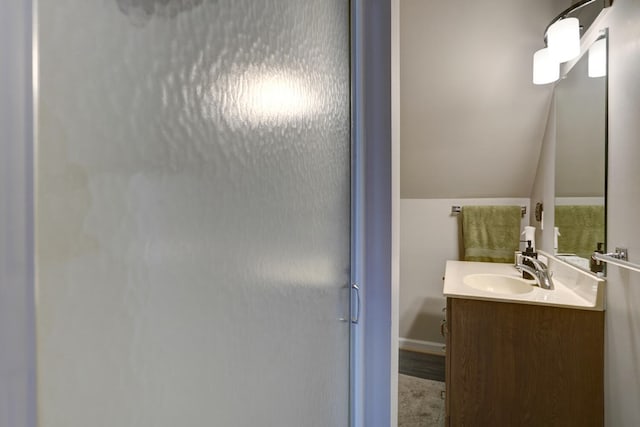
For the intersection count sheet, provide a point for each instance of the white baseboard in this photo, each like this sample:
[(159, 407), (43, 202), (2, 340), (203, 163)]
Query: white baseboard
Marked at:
[(421, 346)]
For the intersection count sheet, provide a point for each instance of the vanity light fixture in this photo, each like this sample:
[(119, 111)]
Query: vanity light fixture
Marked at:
[(598, 58), (562, 41), (545, 68)]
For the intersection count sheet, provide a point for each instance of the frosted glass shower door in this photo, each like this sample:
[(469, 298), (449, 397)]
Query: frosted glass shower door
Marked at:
[(193, 213)]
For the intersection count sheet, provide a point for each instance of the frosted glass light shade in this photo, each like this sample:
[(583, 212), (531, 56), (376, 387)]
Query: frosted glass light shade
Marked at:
[(545, 68), (598, 59), (563, 39)]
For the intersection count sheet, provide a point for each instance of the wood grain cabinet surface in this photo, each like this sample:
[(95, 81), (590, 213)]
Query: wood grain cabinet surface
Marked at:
[(523, 365)]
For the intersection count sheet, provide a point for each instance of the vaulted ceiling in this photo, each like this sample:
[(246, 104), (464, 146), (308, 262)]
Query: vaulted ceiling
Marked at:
[(472, 121)]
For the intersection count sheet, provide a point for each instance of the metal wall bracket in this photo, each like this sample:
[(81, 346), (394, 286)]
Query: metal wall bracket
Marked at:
[(455, 210), (621, 254), (619, 257)]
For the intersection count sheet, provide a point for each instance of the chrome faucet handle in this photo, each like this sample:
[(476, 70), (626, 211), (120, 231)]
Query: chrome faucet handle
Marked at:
[(532, 271), (539, 264), (540, 273)]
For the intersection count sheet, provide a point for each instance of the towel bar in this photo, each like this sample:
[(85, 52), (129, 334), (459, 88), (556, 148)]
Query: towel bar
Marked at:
[(455, 210), (619, 258)]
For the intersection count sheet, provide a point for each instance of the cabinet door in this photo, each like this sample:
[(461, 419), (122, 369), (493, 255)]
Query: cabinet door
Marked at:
[(447, 372), (525, 365)]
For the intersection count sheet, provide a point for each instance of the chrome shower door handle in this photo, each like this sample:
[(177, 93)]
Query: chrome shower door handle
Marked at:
[(355, 313)]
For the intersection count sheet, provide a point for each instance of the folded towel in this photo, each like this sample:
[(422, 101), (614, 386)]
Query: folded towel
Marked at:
[(490, 233), (575, 260), (581, 228)]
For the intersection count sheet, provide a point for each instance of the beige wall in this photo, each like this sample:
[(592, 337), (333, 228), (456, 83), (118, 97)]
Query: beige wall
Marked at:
[(471, 118), (428, 238), (622, 374)]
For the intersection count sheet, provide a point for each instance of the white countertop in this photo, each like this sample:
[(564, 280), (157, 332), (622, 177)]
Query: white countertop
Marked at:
[(573, 288)]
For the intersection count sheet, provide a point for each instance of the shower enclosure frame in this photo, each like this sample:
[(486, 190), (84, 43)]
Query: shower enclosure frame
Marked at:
[(373, 347)]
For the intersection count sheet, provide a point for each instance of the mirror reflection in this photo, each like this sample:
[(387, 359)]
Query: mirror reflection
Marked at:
[(580, 162)]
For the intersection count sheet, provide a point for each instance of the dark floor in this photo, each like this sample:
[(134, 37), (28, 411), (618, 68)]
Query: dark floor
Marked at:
[(421, 365)]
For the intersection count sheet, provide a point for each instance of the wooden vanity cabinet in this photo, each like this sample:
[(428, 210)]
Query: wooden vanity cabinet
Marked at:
[(523, 365)]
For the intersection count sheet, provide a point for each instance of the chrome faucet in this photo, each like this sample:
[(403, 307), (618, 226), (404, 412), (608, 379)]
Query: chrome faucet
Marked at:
[(540, 272)]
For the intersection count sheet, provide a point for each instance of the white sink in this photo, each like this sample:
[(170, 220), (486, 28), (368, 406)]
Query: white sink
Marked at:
[(498, 283), (494, 281)]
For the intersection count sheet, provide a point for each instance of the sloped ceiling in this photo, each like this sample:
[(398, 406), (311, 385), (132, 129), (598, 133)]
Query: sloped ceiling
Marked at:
[(472, 122)]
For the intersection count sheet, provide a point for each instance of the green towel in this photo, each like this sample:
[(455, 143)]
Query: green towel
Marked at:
[(490, 233), (580, 227)]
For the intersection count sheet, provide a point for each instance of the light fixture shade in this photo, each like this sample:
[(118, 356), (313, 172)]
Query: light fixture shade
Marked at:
[(563, 39), (545, 68), (598, 58)]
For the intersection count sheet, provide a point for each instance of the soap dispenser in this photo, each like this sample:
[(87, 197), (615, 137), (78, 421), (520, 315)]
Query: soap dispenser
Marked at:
[(595, 265), (530, 252)]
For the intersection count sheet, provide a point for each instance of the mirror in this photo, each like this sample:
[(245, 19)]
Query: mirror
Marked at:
[(580, 175)]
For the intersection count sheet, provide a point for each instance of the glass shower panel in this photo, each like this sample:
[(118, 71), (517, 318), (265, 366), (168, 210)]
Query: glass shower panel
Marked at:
[(193, 187)]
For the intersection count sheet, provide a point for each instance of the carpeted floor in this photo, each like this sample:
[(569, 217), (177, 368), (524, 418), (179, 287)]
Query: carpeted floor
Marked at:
[(420, 402)]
